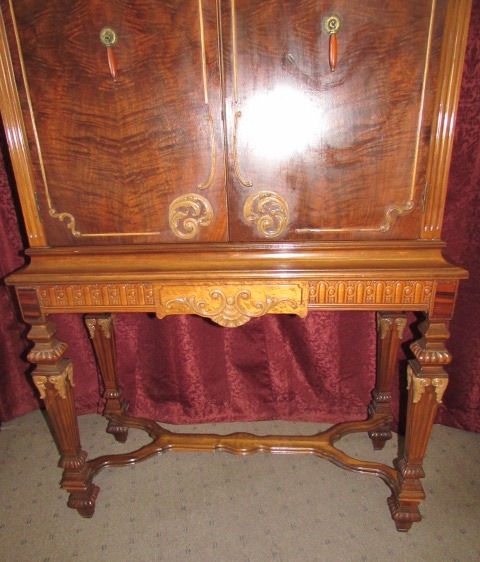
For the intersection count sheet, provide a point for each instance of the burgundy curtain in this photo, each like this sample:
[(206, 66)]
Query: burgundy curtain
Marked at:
[(321, 368)]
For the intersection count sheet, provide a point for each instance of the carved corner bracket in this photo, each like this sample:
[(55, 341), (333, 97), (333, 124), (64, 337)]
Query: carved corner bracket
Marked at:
[(231, 304)]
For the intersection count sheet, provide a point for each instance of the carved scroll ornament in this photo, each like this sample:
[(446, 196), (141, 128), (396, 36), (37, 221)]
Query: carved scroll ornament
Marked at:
[(268, 211), (188, 214)]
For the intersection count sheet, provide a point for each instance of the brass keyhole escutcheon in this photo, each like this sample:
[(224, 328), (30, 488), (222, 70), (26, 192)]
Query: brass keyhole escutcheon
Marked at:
[(108, 37), (331, 24)]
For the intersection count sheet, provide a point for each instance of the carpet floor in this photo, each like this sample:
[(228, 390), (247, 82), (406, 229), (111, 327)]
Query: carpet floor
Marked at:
[(200, 507)]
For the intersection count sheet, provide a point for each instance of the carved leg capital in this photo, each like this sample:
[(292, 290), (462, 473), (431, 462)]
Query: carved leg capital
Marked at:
[(420, 384), (58, 381)]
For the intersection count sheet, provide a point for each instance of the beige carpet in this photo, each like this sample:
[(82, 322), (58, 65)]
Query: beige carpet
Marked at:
[(222, 508)]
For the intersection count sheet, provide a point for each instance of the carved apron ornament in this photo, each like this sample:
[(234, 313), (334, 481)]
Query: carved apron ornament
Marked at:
[(231, 305)]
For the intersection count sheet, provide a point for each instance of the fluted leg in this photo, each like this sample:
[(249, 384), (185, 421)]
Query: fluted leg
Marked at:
[(102, 334), (427, 381), (53, 377), (390, 327)]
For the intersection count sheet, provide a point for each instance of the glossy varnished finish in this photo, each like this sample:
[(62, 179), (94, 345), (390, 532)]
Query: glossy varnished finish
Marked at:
[(234, 158), (346, 149), (112, 156), (233, 104)]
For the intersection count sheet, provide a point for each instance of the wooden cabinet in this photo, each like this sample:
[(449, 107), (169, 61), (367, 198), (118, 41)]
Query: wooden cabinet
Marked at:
[(112, 154), (232, 158), (224, 121), (345, 151)]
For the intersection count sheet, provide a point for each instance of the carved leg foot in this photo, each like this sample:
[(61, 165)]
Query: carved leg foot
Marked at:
[(101, 330), (84, 504), (404, 503), (389, 336), (84, 500), (119, 432), (77, 480), (403, 514), (427, 381)]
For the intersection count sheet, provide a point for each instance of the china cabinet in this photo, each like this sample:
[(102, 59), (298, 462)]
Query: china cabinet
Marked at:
[(230, 159)]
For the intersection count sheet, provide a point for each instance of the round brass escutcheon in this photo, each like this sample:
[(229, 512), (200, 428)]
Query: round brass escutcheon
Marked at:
[(108, 37), (331, 24)]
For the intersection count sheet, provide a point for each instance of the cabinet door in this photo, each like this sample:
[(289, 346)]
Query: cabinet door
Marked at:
[(122, 108), (328, 133)]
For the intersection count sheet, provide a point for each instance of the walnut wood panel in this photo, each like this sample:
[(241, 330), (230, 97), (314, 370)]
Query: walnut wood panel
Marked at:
[(346, 151), (112, 155)]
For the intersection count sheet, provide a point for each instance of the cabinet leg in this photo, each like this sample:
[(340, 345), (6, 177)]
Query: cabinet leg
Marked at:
[(101, 330), (390, 327), (427, 381), (53, 377)]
